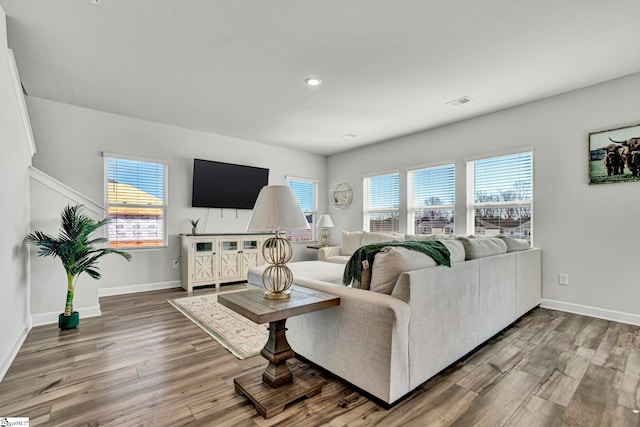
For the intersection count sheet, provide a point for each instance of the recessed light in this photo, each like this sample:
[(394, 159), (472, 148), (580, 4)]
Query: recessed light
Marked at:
[(349, 135), (313, 81)]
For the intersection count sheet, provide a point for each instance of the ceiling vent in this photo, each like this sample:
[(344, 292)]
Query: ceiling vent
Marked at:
[(459, 101)]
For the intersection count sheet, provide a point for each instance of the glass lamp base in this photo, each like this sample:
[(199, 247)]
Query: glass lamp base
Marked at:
[(324, 237)]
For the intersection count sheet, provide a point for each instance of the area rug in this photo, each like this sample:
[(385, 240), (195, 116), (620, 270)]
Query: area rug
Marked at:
[(236, 333)]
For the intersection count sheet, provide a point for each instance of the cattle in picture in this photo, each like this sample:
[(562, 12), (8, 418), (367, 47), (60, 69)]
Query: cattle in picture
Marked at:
[(632, 143), (613, 162), (630, 154), (633, 162)]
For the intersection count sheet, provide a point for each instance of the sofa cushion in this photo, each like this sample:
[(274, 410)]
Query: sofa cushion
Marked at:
[(317, 270), (351, 240), (456, 249), (480, 248), (419, 237), (365, 280), (369, 238), (514, 245), (390, 262), (338, 259)]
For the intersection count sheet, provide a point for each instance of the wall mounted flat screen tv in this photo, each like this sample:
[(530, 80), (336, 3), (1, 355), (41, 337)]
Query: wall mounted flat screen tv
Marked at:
[(226, 185)]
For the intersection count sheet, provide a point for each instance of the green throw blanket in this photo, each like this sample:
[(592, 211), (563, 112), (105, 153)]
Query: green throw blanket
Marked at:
[(433, 248)]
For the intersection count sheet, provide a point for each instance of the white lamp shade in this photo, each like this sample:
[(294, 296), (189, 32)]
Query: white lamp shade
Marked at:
[(325, 221), (277, 209)]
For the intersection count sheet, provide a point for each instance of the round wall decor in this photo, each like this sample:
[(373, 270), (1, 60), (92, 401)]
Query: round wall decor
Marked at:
[(340, 195)]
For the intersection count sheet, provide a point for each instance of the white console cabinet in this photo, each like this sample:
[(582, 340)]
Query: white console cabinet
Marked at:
[(212, 259)]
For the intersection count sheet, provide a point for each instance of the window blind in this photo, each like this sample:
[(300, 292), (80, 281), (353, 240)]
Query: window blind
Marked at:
[(503, 179), (136, 202), (382, 203), (432, 199), (305, 192), (501, 193)]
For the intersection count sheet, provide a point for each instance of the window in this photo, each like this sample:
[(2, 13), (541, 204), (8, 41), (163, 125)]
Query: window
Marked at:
[(136, 201), (305, 191), (431, 200), (381, 202), (500, 195)]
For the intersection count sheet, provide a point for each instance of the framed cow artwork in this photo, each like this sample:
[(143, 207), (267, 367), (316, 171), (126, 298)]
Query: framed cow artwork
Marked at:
[(614, 155)]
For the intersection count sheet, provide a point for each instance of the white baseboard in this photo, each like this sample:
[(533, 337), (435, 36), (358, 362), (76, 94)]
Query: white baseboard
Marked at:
[(601, 313), (13, 352), (50, 318), (144, 287)]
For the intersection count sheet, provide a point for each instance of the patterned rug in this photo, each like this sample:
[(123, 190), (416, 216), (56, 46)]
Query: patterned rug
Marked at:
[(236, 333)]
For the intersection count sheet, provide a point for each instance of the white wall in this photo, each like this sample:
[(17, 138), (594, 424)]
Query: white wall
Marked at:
[(589, 232), (70, 144), (15, 158), (48, 279)]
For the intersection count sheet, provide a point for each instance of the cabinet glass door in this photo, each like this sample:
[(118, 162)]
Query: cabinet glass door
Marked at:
[(230, 246), (249, 245), (204, 246)]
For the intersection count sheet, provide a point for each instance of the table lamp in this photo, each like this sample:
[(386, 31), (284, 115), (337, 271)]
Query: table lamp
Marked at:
[(277, 210), (326, 223)]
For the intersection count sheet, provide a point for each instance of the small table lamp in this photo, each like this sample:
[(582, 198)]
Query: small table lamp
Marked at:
[(277, 210), (326, 223)]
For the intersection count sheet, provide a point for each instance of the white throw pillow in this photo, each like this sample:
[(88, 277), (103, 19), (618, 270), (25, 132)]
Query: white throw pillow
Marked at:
[(389, 263), (366, 280), (351, 240)]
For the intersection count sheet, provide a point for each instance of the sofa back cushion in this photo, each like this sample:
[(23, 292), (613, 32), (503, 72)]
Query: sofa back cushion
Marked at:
[(514, 245), (351, 240), (390, 262), (419, 237), (482, 247), (369, 238), (456, 249)]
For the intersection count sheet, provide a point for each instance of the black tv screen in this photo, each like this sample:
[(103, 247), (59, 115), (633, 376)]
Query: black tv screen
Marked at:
[(225, 185)]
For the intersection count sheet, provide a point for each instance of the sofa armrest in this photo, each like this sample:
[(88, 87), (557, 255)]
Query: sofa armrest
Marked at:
[(328, 251), (444, 316), (367, 332), (529, 280)]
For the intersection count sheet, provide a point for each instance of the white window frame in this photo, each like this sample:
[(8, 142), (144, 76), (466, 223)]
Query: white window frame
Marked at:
[(472, 206), (313, 213), (165, 181), (412, 210), (367, 211)]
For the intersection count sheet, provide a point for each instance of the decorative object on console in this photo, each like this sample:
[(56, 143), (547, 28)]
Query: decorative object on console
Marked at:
[(341, 195), (194, 224), (614, 155), (325, 223), (277, 210)]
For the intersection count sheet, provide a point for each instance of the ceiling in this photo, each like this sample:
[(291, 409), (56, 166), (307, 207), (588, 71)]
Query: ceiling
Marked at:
[(237, 68)]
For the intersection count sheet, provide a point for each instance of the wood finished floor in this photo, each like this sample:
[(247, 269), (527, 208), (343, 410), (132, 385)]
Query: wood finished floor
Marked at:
[(144, 363)]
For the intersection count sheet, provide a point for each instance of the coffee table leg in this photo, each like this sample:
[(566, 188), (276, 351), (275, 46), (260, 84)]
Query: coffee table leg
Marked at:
[(277, 351)]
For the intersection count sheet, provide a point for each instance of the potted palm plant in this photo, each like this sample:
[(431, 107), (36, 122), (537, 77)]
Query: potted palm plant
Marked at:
[(77, 250)]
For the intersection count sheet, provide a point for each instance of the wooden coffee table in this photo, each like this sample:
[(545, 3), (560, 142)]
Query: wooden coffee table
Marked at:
[(271, 391)]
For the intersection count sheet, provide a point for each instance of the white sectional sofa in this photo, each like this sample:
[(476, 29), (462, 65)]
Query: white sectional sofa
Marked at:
[(389, 344)]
